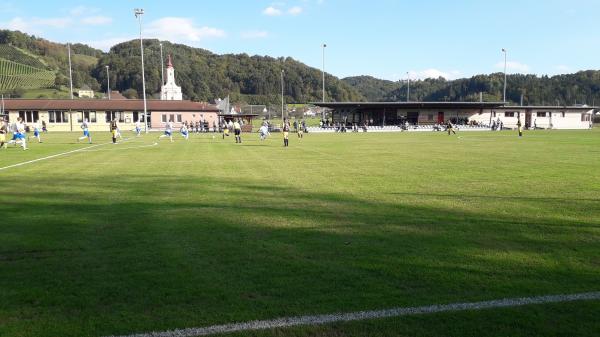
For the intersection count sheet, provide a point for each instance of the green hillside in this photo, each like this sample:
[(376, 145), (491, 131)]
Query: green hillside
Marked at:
[(578, 88), (15, 75), (204, 75)]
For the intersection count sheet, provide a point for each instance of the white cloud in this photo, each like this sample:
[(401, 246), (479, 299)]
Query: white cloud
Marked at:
[(37, 25), (296, 10), (176, 29), (254, 34), (434, 73), (514, 67), (272, 11), (96, 20), (81, 10)]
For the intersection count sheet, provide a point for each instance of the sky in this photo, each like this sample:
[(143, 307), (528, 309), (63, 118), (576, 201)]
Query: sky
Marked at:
[(382, 38)]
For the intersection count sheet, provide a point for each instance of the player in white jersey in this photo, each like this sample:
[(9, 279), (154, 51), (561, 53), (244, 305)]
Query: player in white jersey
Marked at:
[(263, 132), (184, 132), (168, 131), (138, 129), (37, 131), (19, 134), (86, 132)]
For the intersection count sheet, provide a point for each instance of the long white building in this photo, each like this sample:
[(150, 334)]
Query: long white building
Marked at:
[(483, 114)]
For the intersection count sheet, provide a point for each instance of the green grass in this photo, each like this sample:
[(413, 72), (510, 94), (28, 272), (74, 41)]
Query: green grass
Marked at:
[(126, 239)]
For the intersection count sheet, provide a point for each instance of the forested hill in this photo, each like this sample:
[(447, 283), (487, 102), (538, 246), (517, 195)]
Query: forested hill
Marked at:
[(581, 87), (28, 62), (204, 75)]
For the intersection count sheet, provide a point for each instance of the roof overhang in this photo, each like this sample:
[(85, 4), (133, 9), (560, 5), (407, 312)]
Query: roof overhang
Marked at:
[(410, 105)]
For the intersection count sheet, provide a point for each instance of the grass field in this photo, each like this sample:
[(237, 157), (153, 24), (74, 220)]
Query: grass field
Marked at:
[(132, 237)]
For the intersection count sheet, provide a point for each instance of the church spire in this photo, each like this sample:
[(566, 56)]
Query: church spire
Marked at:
[(169, 64)]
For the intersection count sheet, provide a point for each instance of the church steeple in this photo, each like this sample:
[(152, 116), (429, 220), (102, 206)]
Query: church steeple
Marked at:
[(170, 91)]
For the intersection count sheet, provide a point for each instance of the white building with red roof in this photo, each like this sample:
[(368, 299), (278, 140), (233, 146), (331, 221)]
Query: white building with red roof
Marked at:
[(170, 91)]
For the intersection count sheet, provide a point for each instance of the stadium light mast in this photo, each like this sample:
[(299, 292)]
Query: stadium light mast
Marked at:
[(505, 57), (107, 83), (324, 46), (70, 71), (162, 66), (282, 71), (139, 12), (408, 87)]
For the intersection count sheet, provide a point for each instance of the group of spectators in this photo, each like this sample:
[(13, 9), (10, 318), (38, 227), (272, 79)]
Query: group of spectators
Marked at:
[(200, 126)]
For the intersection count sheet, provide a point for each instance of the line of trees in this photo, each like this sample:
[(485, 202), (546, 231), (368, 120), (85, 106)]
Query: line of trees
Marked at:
[(580, 88)]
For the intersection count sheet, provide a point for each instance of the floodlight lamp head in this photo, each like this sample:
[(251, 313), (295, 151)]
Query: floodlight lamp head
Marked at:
[(138, 12)]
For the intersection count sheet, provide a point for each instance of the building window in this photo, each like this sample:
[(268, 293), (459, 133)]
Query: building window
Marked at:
[(136, 116), (541, 114), (509, 114), (90, 116), (430, 117), (29, 116), (164, 118), (494, 112), (58, 116), (178, 118), (171, 118), (118, 115), (585, 117), (562, 114)]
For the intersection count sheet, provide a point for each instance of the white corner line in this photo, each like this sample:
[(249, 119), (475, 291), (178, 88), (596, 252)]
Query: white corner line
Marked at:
[(285, 322), (53, 156)]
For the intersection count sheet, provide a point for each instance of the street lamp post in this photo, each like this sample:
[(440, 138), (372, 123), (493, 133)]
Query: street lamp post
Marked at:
[(139, 12), (505, 57), (282, 111), (107, 83), (162, 67), (408, 87)]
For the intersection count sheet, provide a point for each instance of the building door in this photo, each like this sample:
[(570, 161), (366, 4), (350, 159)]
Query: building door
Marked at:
[(440, 119), (527, 120)]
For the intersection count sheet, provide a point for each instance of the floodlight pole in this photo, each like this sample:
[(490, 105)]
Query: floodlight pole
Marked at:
[(138, 14), (505, 57), (107, 83), (408, 87), (70, 71), (282, 71), (162, 66)]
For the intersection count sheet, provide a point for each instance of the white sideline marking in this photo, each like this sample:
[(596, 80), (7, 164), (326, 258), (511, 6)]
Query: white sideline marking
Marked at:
[(285, 322), (49, 157), (54, 156)]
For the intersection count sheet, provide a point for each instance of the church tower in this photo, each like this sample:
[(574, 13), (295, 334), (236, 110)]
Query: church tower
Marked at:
[(170, 91)]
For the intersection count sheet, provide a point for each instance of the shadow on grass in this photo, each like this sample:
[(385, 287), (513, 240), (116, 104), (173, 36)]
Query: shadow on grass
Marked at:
[(132, 254)]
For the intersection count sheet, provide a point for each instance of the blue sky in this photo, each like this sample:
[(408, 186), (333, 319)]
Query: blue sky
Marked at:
[(382, 38)]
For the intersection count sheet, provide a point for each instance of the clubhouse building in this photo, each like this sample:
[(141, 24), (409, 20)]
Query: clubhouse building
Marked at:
[(67, 115), (477, 114)]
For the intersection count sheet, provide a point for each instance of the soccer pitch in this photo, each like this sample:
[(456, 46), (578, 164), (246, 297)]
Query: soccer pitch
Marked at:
[(137, 237)]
